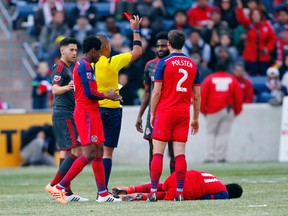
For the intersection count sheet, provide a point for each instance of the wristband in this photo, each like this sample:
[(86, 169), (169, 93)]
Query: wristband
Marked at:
[(137, 43), (136, 31)]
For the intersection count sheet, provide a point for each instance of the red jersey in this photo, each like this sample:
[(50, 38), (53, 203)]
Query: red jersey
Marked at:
[(197, 185), (178, 74), (85, 86), (247, 89), (199, 17), (259, 37), (220, 90)]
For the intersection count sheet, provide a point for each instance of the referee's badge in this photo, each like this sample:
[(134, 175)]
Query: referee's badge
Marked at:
[(94, 138)]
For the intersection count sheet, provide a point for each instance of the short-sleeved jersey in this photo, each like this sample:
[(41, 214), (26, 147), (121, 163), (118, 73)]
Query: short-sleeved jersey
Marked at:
[(179, 74), (84, 85), (149, 76), (107, 70), (61, 75), (197, 185)]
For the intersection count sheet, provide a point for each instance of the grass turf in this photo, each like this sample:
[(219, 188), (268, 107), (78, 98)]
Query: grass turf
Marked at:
[(265, 188)]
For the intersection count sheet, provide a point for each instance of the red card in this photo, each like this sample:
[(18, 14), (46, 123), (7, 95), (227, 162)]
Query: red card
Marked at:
[(127, 16)]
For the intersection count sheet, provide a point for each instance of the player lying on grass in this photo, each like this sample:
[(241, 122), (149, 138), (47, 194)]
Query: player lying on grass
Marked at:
[(198, 185)]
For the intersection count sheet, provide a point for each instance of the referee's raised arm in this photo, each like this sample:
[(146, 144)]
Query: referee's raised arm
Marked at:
[(136, 52)]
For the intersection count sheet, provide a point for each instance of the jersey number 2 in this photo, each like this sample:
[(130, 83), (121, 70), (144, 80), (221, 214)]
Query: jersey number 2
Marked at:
[(179, 83)]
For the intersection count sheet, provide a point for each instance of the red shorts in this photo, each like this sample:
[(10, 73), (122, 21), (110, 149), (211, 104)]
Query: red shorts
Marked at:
[(168, 127), (89, 126)]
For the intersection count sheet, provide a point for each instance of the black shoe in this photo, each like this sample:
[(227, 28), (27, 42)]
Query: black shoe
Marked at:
[(152, 197), (114, 195), (179, 198), (132, 198)]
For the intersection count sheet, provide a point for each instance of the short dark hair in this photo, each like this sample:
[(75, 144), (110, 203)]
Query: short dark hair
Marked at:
[(68, 40), (221, 66), (234, 190), (91, 42), (162, 36), (176, 39)]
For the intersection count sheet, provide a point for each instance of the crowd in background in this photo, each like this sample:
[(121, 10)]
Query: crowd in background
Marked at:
[(251, 36)]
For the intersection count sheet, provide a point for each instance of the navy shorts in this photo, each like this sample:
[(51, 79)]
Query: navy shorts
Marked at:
[(66, 133), (111, 120)]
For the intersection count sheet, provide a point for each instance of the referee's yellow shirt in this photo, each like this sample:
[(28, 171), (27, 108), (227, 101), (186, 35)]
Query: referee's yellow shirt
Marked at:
[(106, 74)]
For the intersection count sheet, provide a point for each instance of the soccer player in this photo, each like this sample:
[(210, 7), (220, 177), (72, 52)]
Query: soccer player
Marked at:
[(197, 185), (88, 122), (176, 82), (149, 74), (107, 78), (62, 116)]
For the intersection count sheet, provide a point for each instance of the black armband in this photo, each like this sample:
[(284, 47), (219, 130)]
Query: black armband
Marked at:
[(137, 43)]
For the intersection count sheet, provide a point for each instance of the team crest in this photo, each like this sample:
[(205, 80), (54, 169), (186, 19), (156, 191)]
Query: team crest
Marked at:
[(57, 78), (94, 138), (89, 75)]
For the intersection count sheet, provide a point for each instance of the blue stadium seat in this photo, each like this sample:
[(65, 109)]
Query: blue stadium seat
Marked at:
[(258, 83)]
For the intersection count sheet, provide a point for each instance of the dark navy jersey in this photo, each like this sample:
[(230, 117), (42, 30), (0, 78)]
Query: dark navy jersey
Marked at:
[(61, 75)]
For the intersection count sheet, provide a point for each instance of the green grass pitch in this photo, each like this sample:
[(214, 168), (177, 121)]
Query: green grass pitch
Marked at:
[(265, 192)]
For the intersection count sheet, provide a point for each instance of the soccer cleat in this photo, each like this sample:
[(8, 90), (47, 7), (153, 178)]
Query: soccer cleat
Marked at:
[(75, 198), (132, 198), (123, 190), (59, 195), (152, 197), (108, 198), (48, 188), (179, 198)]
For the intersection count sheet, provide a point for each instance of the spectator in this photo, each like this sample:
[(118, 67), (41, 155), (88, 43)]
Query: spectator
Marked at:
[(215, 28), (55, 54), (260, 43), (86, 9), (245, 84), (281, 21), (228, 14), (82, 29), (153, 9), (117, 43), (273, 91), (121, 6), (50, 33), (171, 7), (44, 14), (199, 15), (225, 43), (110, 27), (283, 70), (282, 46), (221, 101), (38, 146), (180, 22), (147, 31), (239, 36), (41, 86), (224, 56), (199, 51)]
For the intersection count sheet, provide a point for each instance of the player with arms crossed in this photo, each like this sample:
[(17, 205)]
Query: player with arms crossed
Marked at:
[(62, 116), (107, 78), (88, 122), (149, 75), (176, 82), (197, 185)]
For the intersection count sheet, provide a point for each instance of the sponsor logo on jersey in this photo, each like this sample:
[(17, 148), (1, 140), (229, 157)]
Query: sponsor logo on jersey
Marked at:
[(94, 138), (57, 78), (211, 180)]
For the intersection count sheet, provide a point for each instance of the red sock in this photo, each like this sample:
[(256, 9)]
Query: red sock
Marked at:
[(99, 173), (180, 170), (156, 171), (75, 169), (58, 176)]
